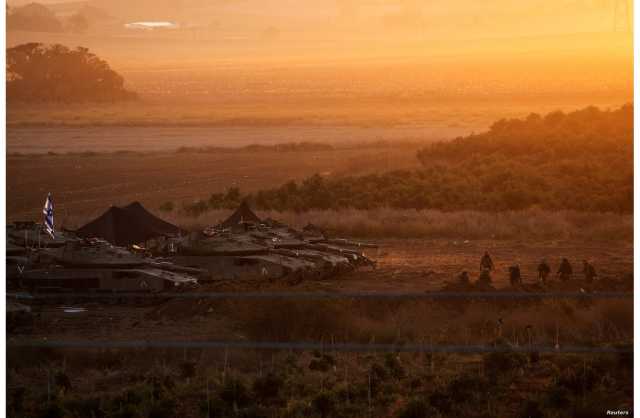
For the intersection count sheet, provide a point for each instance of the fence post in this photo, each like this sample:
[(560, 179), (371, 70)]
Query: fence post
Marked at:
[(433, 360), (346, 376), (48, 386), (369, 391), (208, 400), (224, 369)]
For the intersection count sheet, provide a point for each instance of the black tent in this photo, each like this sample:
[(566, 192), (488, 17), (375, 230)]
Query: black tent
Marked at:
[(132, 224), (139, 212), (241, 215)]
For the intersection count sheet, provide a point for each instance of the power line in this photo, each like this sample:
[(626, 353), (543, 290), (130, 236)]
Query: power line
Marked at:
[(617, 18)]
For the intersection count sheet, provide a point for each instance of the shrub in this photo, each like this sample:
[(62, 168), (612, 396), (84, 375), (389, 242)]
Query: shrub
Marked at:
[(196, 208), (579, 378), (558, 397), (167, 207), (84, 407), (625, 356), (297, 409), (321, 362), (392, 363), (126, 411), (235, 393), (417, 408), (54, 410), (500, 363), (441, 401), (16, 399), (268, 387), (187, 369), (62, 381), (324, 403), (467, 388), (534, 357), (166, 408), (531, 409), (291, 320), (378, 375)]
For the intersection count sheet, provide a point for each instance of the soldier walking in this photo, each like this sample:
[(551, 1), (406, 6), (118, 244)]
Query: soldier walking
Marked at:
[(486, 263), (565, 271), (514, 275), (543, 271), (589, 271), (463, 278)]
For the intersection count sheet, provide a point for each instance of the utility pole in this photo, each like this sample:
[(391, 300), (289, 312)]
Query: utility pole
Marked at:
[(621, 15)]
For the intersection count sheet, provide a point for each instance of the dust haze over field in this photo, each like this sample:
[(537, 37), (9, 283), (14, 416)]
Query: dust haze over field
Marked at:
[(444, 70)]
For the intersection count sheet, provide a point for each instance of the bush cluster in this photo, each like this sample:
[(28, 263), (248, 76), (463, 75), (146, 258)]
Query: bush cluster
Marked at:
[(581, 161)]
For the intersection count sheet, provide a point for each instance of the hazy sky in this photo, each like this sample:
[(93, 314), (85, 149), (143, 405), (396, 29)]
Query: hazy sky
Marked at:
[(459, 19), (461, 45)]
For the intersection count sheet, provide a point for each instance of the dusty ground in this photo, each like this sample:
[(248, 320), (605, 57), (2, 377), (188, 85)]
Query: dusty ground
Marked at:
[(403, 266), (414, 265)]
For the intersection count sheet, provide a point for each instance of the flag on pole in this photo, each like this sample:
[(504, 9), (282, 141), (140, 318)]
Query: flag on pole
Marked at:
[(47, 211)]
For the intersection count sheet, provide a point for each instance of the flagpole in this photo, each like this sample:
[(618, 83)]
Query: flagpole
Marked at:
[(48, 217)]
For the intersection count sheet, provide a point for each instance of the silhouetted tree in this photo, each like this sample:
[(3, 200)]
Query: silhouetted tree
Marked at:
[(36, 72)]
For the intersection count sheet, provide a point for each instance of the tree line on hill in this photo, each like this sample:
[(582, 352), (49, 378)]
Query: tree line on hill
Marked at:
[(36, 17), (581, 160), (55, 73)]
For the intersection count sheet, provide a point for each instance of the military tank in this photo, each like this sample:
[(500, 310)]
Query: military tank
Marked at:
[(244, 246), (68, 263)]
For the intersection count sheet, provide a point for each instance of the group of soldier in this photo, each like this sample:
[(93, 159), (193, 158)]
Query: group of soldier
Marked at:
[(564, 273)]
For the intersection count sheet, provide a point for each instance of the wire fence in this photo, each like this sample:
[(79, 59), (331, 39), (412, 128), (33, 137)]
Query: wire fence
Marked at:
[(330, 295), (311, 346)]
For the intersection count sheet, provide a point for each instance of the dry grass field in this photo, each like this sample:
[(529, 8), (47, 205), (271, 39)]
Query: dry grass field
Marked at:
[(88, 139), (446, 118), (530, 224), (349, 319), (190, 381), (403, 265)]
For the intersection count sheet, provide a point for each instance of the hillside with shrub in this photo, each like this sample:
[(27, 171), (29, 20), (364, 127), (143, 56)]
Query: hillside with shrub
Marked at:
[(580, 161)]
